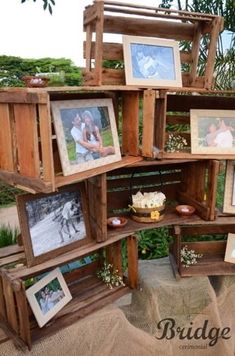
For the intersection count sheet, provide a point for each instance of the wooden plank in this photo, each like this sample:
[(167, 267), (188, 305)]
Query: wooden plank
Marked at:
[(175, 102), (178, 119), (117, 260), (99, 29), (10, 302), (209, 229), (209, 70), (130, 123), (98, 213), (132, 253), (46, 144), (3, 314), (83, 309), (10, 333), (127, 160), (23, 96), (212, 187), (22, 308), (28, 153), (195, 53), (160, 128), (31, 185), (146, 27), (148, 123), (6, 140), (114, 52), (11, 259), (10, 250), (88, 49)]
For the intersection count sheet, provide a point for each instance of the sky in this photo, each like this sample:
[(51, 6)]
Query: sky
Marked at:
[(27, 31)]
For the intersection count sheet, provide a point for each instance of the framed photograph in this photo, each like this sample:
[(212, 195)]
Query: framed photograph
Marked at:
[(48, 296), (230, 249), (52, 224), (86, 134), (229, 190), (212, 131), (152, 62)]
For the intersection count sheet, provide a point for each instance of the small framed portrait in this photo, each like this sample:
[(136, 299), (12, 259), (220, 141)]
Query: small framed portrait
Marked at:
[(86, 134), (48, 296), (212, 131), (52, 224), (230, 249), (229, 189), (151, 62)]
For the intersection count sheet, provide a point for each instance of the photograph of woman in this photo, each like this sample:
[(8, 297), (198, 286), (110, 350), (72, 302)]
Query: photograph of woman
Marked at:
[(49, 296)]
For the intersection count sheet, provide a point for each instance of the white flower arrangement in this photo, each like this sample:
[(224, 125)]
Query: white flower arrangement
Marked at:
[(148, 200), (175, 143), (110, 276), (189, 257)]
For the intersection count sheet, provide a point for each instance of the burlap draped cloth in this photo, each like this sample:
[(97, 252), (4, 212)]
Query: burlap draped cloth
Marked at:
[(132, 329)]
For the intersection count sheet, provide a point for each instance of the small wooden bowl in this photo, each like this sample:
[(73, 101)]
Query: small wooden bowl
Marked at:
[(116, 221), (185, 210)]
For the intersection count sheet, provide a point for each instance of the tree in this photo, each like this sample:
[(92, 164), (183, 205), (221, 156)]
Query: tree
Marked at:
[(12, 69), (225, 55), (47, 4)]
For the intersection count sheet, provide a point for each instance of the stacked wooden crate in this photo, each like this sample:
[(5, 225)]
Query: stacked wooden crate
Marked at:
[(29, 156)]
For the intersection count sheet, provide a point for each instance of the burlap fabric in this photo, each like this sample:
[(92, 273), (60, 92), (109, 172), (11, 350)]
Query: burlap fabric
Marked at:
[(132, 329)]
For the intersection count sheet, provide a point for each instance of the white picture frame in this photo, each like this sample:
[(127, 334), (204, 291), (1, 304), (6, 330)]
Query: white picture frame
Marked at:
[(46, 306), (151, 62), (65, 114)]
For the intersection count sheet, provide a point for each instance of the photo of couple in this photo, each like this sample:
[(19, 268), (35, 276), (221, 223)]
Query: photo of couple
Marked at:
[(86, 134), (220, 133), (49, 296), (154, 62), (87, 138)]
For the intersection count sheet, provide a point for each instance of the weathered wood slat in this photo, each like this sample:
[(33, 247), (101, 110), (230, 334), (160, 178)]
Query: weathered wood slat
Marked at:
[(132, 261), (7, 161), (22, 308), (46, 144), (114, 51), (26, 127), (61, 180), (10, 304), (130, 124), (23, 96), (10, 250), (31, 185), (148, 123)]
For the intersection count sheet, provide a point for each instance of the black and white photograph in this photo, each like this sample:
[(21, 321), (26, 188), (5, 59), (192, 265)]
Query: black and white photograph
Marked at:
[(53, 223), (151, 61), (47, 296)]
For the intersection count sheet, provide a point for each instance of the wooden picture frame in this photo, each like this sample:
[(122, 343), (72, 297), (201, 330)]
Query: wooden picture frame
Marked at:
[(86, 134), (152, 62), (52, 224), (230, 249), (48, 296), (212, 131), (229, 189)]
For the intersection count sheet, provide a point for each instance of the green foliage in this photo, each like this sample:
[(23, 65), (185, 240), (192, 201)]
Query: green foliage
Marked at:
[(47, 4), (8, 194), (61, 71), (8, 235), (153, 243)]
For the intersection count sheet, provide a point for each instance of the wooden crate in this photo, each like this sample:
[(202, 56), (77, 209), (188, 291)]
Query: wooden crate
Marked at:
[(29, 157), (88, 292), (162, 109), (212, 263), (181, 181), (111, 17)]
